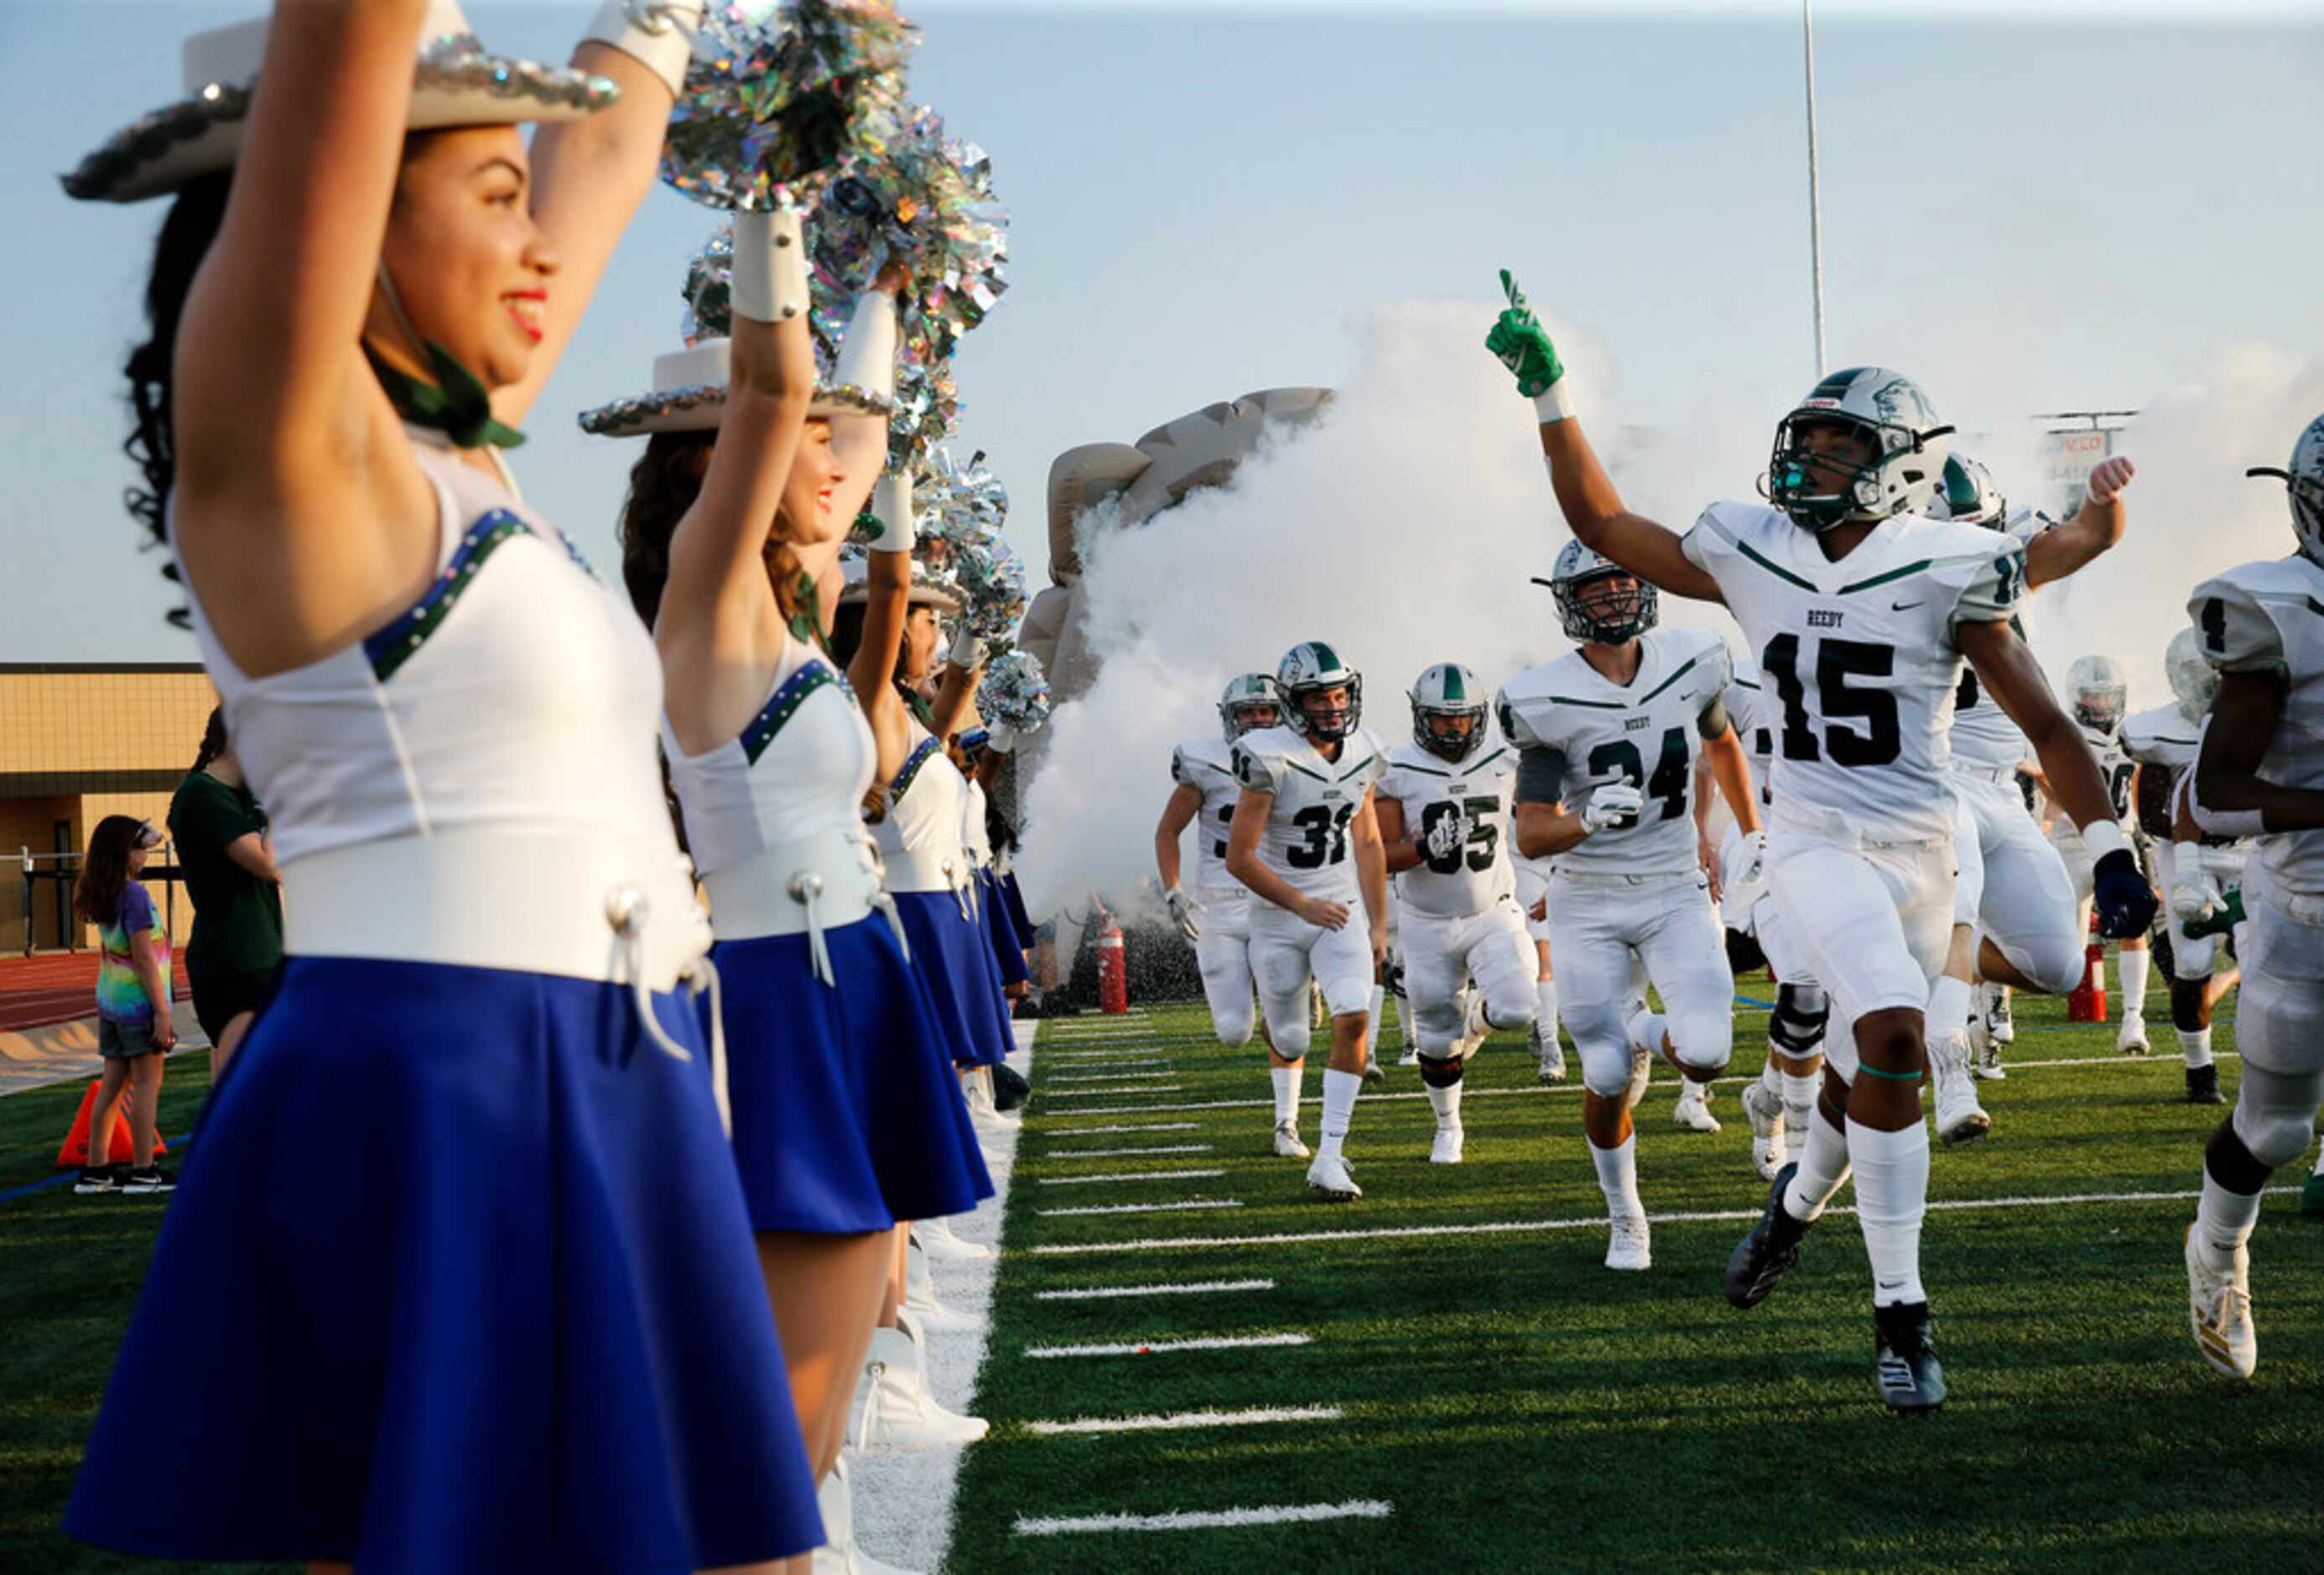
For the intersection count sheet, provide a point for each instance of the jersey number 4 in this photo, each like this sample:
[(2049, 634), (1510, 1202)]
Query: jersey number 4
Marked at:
[(1327, 836), (1877, 742), (1671, 776), (1484, 834)]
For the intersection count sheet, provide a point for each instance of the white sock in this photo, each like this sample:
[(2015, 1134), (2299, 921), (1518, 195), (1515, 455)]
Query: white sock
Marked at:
[(1892, 1196), (2319, 1161), (1404, 1021), (1947, 1012), (1618, 1177), (1287, 1081), (1646, 1029), (1824, 1168), (2133, 967), (2223, 1222), (1545, 993), (2195, 1044), (1446, 1103), (1339, 1089), (1771, 1077), (1800, 1102), (1372, 1028)]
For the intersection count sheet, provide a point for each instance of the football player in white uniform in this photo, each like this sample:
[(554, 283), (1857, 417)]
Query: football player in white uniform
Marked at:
[(2196, 873), (2260, 774), (1443, 811), (2100, 696), (1610, 734), (1305, 841), (1861, 614), (1216, 917)]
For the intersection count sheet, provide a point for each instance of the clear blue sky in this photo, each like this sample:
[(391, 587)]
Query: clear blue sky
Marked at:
[(1204, 199)]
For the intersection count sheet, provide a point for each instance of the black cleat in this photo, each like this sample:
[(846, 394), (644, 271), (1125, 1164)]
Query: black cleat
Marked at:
[(2203, 1086), (1767, 1254), (1904, 1358)]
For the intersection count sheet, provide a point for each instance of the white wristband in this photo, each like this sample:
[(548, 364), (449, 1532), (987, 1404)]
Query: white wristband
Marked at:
[(867, 356), (2102, 837), (967, 649), (658, 34), (1553, 403), (2223, 822), (891, 499), (769, 280)]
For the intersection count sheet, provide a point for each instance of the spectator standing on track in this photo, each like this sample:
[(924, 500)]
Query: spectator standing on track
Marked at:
[(134, 1030), (228, 856)]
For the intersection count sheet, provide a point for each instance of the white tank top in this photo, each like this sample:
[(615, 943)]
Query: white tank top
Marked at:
[(928, 802), (800, 768), (519, 689)]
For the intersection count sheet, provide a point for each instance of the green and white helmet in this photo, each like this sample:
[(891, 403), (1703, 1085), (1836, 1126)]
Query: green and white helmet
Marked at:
[(1245, 693), (1908, 450), (2099, 691), (1614, 618), (2304, 480), (1448, 689), (2194, 682), (1968, 495), (1311, 667)]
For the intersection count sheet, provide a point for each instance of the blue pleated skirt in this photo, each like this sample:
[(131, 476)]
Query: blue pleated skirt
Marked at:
[(847, 1114), (953, 953), (1018, 916), (458, 1277), (1008, 952)]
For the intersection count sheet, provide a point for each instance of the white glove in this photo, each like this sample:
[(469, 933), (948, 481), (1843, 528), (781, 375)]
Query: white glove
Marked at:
[(891, 501), (1182, 909), (658, 34), (2195, 896), (769, 275), (1445, 837), (1615, 805), (967, 651), (1001, 739)]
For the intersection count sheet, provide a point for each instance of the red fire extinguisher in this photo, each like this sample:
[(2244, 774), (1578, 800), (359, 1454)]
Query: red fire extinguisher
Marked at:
[(2087, 1002), (1113, 971)]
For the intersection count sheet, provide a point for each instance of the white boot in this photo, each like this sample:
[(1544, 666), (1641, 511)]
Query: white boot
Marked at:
[(1693, 1109), (894, 1411), (987, 1117), (936, 1239), (835, 1500), (1959, 1117), (920, 1293)]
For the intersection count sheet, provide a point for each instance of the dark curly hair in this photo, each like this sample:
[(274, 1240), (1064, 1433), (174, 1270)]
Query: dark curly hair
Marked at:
[(663, 486), (191, 225)]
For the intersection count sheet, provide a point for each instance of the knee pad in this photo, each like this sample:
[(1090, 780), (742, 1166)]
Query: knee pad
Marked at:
[(1233, 1028), (2277, 1135), (1511, 1015), (1801, 1017), (1441, 1073), (1605, 1061), (1701, 1041)]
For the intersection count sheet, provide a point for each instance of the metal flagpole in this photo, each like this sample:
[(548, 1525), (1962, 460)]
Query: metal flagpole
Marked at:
[(1815, 198)]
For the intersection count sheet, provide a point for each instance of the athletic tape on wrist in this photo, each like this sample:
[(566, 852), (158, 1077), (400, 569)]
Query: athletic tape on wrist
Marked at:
[(2103, 837), (1553, 403), (770, 279), (891, 499), (658, 34), (2223, 822)]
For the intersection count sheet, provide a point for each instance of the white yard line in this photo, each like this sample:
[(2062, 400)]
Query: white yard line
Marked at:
[(1594, 1222), (1191, 1203), (1188, 1419), (1162, 1347), (1130, 1175), (1204, 1519), (1127, 1053), (1185, 1288), (1048, 1131), (1119, 1089), (1124, 1153), (1115, 1076)]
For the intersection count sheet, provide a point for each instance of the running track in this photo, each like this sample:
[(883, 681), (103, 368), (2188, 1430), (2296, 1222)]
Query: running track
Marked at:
[(35, 992)]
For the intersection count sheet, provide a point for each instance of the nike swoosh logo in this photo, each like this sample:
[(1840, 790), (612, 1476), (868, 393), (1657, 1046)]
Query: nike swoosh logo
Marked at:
[(1900, 606)]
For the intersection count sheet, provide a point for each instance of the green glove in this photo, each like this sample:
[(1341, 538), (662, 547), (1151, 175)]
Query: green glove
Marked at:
[(1522, 345), (2223, 920)]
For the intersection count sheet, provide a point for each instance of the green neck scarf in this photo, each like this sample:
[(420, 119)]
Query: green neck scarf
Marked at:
[(456, 404)]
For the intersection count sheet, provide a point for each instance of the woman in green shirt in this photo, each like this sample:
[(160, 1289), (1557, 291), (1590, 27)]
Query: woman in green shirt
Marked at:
[(227, 860)]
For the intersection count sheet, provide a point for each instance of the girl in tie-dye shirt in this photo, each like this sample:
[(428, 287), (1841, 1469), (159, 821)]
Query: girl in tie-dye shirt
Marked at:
[(133, 1027)]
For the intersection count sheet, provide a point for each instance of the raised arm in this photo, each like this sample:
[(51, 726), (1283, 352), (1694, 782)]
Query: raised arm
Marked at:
[(2095, 529), (957, 686), (1586, 495), (888, 602), (590, 175)]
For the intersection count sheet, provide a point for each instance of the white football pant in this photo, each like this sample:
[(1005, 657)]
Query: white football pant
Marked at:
[(1286, 951), (1441, 953), (2013, 881), (1871, 921), (1224, 954), (1598, 922)]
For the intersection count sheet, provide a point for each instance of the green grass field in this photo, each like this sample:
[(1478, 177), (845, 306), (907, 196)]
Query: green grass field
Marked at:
[(1515, 1404)]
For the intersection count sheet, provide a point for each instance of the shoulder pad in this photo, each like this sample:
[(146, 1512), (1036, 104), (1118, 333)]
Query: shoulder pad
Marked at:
[(2235, 616)]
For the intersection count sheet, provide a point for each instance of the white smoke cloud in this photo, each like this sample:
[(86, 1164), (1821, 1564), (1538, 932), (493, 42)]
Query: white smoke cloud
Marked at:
[(1403, 528)]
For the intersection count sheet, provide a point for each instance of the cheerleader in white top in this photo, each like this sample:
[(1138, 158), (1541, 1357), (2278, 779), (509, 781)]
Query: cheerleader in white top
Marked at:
[(978, 757), (460, 1246), (846, 1118)]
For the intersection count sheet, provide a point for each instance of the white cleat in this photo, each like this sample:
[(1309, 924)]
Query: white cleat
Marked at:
[(1628, 1246), (1693, 1110), (1409, 1058), (1372, 1073), (936, 1239), (1446, 1148), (894, 1411), (1771, 1147), (1959, 1117), (1329, 1175), (1286, 1143), (2218, 1310), (2131, 1039), (1548, 1055), (1985, 1051), (1642, 1073), (1998, 1021)]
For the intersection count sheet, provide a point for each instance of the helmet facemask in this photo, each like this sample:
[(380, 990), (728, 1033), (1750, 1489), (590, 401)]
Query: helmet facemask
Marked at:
[(1251, 702), (1454, 744), (1251, 716), (1332, 723), (2100, 708), (1892, 462), (1597, 607)]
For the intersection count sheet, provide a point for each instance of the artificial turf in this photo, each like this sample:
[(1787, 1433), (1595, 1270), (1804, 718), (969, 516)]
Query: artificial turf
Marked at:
[(1519, 1407)]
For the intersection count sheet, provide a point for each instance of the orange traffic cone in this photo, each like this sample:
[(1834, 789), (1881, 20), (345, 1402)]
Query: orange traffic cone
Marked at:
[(75, 1153), (2087, 1002)]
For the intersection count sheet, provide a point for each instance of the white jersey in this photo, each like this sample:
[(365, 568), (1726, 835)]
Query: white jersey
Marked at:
[(1207, 766), (2262, 618), (2116, 768), (2161, 737), (1747, 708), (1646, 732), (1856, 658), (1983, 734), (1477, 874), (1306, 839)]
